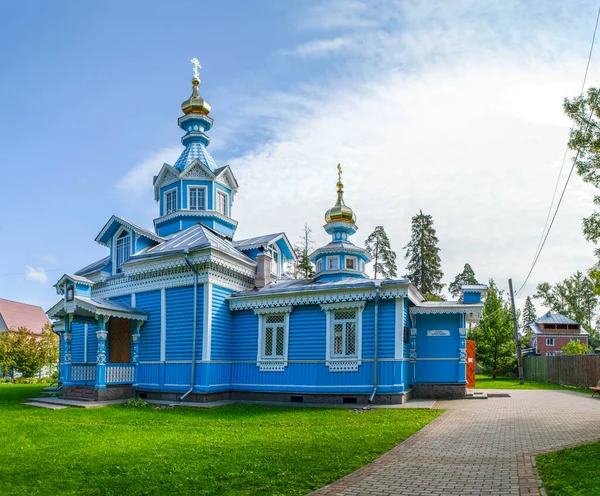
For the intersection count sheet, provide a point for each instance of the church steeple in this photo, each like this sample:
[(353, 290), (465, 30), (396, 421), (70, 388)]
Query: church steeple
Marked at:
[(340, 258), (194, 189)]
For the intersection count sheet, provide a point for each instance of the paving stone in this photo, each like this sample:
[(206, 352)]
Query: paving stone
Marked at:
[(480, 447)]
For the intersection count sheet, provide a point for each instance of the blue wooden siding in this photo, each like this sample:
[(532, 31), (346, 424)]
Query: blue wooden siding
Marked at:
[(92, 343), (221, 324), (179, 308), (150, 332), (307, 334), (77, 342), (387, 329), (244, 335), (124, 299)]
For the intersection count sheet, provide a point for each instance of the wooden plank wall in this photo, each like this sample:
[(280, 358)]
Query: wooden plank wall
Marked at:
[(570, 370)]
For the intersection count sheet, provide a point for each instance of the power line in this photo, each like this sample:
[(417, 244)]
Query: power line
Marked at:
[(545, 232)]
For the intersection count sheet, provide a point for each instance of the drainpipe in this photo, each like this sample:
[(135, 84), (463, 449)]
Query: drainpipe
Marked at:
[(376, 331), (194, 325)]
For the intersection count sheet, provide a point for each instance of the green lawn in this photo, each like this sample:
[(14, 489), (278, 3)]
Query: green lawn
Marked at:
[(572, 471), (236, 449), (486, 382)]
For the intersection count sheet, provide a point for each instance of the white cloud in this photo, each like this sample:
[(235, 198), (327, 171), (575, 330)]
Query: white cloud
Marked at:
[(51, 259), (36, 274), (319, 48), (138, 181)]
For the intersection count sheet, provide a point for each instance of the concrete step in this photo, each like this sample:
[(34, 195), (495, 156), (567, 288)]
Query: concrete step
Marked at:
[(50, 393), (79, 403), (49, 406), (476, 395), (50, 388)]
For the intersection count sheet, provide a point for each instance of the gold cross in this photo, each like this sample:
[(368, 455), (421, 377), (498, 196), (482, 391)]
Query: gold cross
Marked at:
[(339, 168), (197, 66)]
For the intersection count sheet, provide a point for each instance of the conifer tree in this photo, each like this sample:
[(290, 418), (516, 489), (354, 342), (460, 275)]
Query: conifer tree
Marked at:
[(494, 335), (378, 245), (424, 263), (302, 268), (529, 314), (467, 276)]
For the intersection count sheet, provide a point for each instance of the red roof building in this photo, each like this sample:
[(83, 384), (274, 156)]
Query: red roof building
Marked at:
[(14, 315)]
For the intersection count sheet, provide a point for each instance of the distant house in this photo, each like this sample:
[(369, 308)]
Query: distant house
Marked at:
[(552, 331), (14, 315)]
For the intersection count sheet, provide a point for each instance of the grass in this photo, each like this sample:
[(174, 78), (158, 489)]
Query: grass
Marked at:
[(486, 382), (236, 449), (572, 471)]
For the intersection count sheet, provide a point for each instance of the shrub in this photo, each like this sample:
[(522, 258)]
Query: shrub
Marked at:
[(135, 403)]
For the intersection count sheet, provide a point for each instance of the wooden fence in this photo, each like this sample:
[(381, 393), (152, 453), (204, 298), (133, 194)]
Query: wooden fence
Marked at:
[(570, 370)]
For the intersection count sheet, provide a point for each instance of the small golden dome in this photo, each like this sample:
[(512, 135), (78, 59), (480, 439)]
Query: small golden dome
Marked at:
[(195, 104), (340, 212)]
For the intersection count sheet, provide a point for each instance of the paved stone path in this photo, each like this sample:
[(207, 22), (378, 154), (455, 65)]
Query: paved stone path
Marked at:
[(479, 447)]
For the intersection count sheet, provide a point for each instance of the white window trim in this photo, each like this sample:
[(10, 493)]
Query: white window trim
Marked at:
[(332, 257), (356, 265), (320, 265), (114, 247), (224, 193), (276, 249), (335, 363), (547, 343), (269, 364), (189, 189), (165, 193)]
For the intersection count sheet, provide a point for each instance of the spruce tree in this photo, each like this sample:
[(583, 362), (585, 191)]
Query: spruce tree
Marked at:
[(529, 314), (424, 263), (301, 267), (467, 276), (378, 245)]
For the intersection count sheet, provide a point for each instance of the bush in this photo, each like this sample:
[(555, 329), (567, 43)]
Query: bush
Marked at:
[(135, 403)]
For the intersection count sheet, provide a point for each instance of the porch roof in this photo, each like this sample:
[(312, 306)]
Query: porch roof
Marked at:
[(87, 308)]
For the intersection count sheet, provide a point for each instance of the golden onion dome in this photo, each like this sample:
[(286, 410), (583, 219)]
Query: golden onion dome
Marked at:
[(195, 104), (340, 212)]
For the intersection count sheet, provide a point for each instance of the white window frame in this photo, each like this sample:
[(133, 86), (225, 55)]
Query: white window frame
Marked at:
[(351, 257), (226, 196), (165, 204), (337, 363), (270, 363), (549, 341), (276, 254), (189, 197), (115, 266), (320, 265), (334, 257)]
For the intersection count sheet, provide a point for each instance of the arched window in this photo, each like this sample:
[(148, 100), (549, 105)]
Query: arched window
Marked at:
[(123, 249)]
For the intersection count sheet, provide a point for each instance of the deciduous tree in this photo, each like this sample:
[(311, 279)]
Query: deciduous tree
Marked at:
[(424, 263), (575, 347)]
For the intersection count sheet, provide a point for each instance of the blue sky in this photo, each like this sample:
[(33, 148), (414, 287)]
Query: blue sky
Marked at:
[(449, 107)]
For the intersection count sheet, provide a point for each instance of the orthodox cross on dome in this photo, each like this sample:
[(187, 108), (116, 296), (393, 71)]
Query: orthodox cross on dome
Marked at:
[(196, 63), (340, 185)]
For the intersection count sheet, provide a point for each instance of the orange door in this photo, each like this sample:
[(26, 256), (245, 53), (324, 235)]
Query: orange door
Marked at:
[(471, 360), (119, 340)]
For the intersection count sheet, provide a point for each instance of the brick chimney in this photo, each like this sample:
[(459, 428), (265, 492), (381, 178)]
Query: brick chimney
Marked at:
[(263, 270)]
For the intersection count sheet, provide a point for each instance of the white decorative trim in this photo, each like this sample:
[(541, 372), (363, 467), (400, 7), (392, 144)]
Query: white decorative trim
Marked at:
[(167, 175), (399, 327), (462, 331), (343, 364), (196, 213), (268, 364), (131, 227), (207, 317), (163, 324), (188, 188), (164, 201), (296, 299), (458, 309)]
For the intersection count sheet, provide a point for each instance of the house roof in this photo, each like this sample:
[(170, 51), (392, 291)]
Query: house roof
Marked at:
[(88, 307), (194, 238), (265, 240), (195, 150), (554, 318), (15, 315), (113, 225), (74, 278), (93, 267)]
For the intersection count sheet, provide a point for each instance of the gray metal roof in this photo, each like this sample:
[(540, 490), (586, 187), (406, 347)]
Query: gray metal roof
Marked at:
[(554, 318), (256, 241), (93, 267), (194, 238), (110, 305)]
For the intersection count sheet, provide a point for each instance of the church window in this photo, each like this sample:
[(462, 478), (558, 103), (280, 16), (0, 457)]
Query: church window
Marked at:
[(170, 201), (273, 336), (333, 263), (197, 198), (123, 249), (221, 203), (275, 261), (351, 263), (344, 336), (319, 265)]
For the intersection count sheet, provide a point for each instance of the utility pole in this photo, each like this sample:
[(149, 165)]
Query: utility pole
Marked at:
[(517, 343)]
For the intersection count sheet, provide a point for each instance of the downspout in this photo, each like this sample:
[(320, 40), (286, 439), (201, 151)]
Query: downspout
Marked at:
[(194, 325), (376, 344)]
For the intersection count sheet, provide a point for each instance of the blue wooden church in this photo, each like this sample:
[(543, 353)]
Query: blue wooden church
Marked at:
[(187, 311)]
